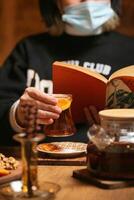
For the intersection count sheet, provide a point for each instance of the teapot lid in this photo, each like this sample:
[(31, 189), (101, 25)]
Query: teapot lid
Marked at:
[(122, 113)]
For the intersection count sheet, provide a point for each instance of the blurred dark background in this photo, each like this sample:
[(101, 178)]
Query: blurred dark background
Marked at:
[(19, 18)]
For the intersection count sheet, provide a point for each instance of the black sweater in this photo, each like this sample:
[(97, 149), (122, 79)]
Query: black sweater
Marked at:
[(104, 53)]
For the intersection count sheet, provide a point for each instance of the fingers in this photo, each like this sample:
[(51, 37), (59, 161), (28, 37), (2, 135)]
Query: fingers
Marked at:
[(47, 115), (44, 101), (40, 96), (91, 115), (94, 114), (46, 104), (45, 121), (88, 116)]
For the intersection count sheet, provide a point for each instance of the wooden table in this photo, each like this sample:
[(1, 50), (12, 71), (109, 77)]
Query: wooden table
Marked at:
[(73, 189)]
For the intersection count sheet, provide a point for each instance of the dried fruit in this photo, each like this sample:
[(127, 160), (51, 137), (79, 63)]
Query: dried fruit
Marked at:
[(4, 172)]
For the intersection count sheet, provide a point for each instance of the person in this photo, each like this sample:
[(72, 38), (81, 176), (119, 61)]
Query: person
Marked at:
[(80, 32)]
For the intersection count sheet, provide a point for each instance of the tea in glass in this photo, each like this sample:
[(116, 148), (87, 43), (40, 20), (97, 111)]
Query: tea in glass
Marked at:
[(64, 125)]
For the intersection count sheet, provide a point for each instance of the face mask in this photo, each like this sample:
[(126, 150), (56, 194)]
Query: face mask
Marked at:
[(87, 18)]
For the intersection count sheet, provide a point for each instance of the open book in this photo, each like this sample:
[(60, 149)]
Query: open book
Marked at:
[(91, 88)]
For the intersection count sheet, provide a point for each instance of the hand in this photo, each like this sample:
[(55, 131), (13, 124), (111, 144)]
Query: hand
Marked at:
[(91, 115), (47, 108)]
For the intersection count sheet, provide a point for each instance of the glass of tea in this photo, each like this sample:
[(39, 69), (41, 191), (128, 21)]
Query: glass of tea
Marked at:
[(64, 125)]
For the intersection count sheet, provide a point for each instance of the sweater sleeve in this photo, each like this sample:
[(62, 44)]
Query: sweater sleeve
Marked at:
[(13, 75)]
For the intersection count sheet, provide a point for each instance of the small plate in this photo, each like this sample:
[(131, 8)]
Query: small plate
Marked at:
[(63, 149)]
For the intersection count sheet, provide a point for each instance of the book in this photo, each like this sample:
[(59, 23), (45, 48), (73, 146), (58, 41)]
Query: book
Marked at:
[(91, 88)]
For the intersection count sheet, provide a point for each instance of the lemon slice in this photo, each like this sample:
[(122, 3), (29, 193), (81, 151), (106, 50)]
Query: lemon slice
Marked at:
[(64, 103)]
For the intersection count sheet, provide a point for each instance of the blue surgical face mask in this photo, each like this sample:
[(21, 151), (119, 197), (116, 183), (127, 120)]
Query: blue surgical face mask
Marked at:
[(87, 18)]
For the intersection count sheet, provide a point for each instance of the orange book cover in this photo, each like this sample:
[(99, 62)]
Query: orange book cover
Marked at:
[(88, 87)]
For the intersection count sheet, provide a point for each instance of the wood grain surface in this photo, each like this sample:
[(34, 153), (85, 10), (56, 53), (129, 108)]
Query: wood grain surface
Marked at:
[(73, 189)]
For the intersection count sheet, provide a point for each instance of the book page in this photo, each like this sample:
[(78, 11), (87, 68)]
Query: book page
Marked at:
[(120, 93), (125, 71)]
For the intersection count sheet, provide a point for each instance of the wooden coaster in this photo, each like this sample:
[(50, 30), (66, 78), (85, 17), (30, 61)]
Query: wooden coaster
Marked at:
[(84, 175)]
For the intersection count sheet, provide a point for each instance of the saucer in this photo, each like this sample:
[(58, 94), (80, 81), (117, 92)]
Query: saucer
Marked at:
[(63, 149)]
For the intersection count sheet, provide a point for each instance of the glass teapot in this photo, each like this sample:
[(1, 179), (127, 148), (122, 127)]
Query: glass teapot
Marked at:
[(110, 151)]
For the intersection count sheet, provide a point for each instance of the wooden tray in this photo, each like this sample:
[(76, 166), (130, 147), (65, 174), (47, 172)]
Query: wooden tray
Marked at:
[(84, 175), (14, 175), (46, 160)]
